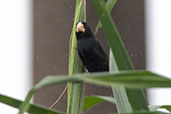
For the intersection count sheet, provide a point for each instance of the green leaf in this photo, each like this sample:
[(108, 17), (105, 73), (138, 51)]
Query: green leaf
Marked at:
[(132, 79), (34, 109), (167, 107), (91, 101), (109, 5), (155, 107), (120, 54), (122, 103), (114, 39)]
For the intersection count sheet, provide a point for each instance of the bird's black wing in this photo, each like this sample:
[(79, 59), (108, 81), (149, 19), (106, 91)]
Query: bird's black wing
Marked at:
[(96, 57)]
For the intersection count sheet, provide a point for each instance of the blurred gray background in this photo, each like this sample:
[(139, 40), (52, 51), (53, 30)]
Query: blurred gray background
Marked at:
[(53, 21)]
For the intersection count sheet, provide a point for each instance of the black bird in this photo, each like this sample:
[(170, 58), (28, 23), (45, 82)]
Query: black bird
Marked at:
[(90, 51)]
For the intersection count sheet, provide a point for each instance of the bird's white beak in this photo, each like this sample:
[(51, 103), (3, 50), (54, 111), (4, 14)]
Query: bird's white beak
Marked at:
[(80, 27)]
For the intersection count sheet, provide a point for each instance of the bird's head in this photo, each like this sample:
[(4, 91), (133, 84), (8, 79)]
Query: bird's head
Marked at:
[(83, 30)]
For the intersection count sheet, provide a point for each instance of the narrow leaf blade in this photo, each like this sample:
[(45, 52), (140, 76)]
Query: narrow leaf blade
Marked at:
[(34, 109), (92, 101)]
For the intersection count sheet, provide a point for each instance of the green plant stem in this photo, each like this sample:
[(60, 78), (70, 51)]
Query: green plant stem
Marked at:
[(76, 90)]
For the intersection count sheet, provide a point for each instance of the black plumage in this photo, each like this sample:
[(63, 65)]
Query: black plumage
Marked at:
[(90, 51)]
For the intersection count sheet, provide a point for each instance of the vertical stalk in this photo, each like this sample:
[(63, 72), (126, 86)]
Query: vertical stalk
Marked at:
[(122, 102), (76, 90)]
